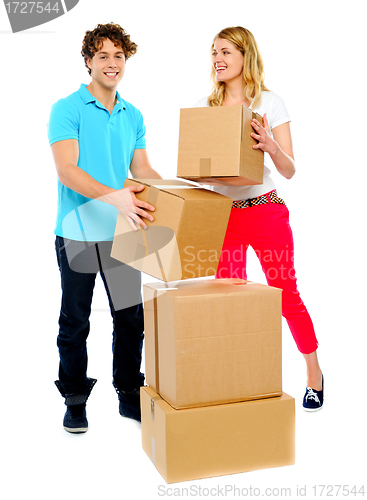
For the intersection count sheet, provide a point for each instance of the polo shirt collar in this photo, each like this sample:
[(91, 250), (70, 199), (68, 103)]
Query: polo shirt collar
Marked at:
[(87, 97), (120, 100)]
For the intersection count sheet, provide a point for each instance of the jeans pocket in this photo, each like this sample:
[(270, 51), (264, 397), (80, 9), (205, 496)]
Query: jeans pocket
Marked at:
[(66, 242), (60, 244)]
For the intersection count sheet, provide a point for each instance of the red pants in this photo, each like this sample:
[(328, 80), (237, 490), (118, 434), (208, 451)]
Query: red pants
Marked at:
[(266, 229)]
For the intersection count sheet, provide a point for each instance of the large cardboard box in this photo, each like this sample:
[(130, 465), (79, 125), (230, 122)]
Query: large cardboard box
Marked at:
[(216, 440), (215, 146), (184, 241), (213, 341)]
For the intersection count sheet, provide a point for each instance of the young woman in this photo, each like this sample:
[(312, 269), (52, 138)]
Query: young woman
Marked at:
[(260, 218)]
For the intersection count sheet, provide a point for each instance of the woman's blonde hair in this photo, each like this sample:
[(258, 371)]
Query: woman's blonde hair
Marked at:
[(253, 66)]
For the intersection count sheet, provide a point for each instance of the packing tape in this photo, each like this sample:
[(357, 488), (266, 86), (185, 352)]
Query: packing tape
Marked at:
[(152, 406), (156, 353), (153, 449), (160, 266), (152, 195), (205, 167), (140, 253), (145, 243), (172, 186)]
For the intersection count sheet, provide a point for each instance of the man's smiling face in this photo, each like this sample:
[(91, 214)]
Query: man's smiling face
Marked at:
[(107, 65)]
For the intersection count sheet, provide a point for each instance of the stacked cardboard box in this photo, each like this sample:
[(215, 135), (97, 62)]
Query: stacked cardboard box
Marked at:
[(214, 403), (210, 441), (212, 341)]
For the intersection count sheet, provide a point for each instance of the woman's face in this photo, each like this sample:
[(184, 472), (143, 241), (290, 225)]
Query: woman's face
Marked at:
[(227, 61)]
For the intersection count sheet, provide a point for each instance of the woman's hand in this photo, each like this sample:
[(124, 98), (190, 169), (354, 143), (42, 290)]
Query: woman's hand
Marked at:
[(279, 148), (266, 142)]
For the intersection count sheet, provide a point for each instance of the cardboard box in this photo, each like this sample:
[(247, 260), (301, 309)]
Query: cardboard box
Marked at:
[(213, 341), (213, 441), (215, 146), (186, 238)]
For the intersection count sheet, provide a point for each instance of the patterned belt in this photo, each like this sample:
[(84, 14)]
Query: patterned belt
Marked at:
[(271, 197)]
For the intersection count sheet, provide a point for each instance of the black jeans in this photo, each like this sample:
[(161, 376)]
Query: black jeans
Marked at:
[(79, 263)]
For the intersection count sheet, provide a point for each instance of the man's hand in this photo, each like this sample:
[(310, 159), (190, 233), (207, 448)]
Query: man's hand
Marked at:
[(66, 154), (130, 206)]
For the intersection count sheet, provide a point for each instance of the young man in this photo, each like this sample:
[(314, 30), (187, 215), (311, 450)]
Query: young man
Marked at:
[(96, 137)]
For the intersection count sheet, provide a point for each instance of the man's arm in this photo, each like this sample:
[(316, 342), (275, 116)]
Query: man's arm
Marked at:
[(66, 155), (140, 166)]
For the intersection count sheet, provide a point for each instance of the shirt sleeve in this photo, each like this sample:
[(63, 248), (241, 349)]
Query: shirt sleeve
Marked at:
[(140, 133), (203, 103), (279, 113), (63, 122)]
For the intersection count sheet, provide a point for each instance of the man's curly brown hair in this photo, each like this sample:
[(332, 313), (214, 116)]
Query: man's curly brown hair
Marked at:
[(93, 41)]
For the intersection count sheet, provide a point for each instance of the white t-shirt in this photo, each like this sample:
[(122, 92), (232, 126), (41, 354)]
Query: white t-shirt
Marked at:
[(277, 114)]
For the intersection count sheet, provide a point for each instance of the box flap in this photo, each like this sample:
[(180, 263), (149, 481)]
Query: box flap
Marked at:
[(249, 156), (180, 189), (208, 286)]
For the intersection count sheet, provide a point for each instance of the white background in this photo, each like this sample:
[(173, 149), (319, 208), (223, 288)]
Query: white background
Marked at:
[(314, 54)]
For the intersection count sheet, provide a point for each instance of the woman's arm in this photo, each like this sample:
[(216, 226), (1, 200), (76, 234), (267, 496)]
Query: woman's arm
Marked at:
[(279, 146)]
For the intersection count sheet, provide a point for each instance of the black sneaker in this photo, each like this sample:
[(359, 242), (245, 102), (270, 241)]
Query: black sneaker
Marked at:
[(313, 400), (75, 419), (129, 404)]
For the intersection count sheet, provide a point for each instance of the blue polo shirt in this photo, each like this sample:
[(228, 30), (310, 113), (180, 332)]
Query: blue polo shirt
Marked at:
[(106, 147)]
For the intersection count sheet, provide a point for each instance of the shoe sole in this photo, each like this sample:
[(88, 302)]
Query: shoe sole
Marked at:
[(312, 409), (77, 430), (131, 418)]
